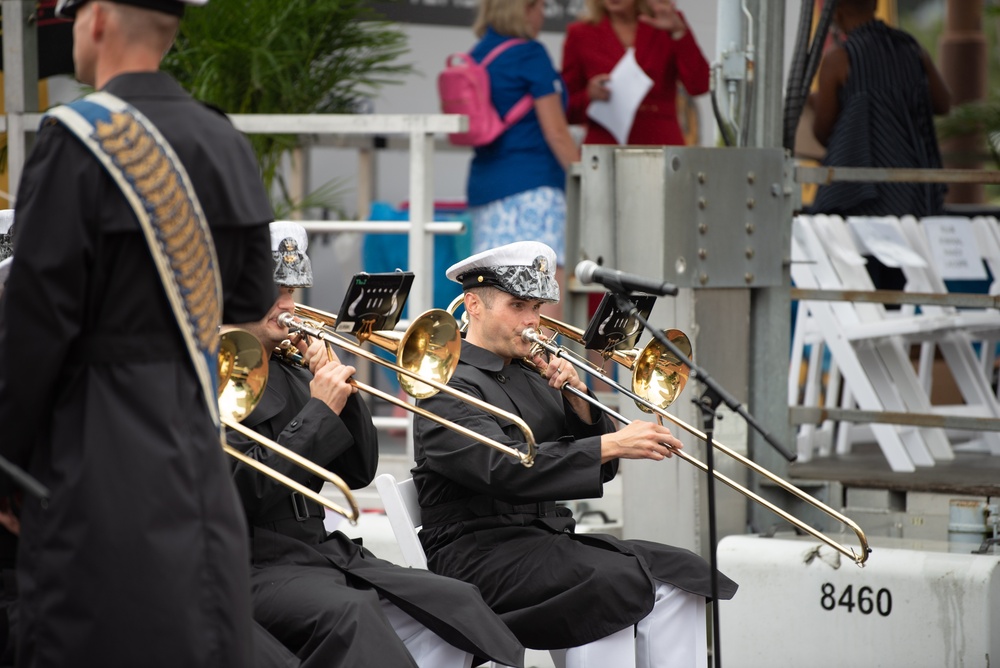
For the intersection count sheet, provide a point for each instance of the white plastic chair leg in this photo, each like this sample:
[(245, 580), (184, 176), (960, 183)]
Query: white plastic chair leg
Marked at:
[(617, 649)]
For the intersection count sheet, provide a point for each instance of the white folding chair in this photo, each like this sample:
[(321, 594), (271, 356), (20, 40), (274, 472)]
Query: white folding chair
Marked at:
[(400, 502), (403, 511), (987, 230), (866, 343), (957, 345)]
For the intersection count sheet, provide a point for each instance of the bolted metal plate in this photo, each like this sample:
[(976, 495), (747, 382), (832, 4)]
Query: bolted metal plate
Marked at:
[(697, 217)]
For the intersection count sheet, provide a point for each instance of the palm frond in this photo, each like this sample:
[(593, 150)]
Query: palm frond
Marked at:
[(290, 56)]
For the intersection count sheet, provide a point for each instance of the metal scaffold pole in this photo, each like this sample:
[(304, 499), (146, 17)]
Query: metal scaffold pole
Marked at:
[(770, 307), (20, 81)]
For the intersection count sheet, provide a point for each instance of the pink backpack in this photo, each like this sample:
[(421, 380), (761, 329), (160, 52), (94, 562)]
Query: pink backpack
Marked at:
[(464, 88)]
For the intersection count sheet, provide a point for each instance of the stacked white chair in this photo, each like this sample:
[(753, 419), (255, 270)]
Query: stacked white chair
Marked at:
[(987, 230), (868, 345), (974, 327)]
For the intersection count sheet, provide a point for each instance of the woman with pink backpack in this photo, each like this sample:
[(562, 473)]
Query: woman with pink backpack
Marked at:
[(516, 185)]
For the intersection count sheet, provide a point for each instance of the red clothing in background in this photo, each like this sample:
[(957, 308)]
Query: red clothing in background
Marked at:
[(591, 49)]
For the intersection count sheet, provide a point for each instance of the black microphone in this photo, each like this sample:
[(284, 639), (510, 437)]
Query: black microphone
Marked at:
[(588, 272)]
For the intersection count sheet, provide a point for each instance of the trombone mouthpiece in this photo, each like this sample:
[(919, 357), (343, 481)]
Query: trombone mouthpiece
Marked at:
[(286, 320), (529, 334)]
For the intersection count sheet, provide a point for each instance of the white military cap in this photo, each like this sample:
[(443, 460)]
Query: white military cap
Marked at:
[(525, 269), (289, 242), (68, 8)]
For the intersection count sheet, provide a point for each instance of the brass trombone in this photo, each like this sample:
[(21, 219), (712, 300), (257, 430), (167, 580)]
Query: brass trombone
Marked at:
[(242, 378), (666, 368), (656, 371), (426, 354)]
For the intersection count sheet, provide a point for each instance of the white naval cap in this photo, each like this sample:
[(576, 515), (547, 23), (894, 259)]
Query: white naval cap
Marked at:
[(292, 268), (525, 269), (68, 8)]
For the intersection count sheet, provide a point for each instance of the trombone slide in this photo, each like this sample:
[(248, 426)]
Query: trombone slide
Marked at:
[(291, 455), (433, 417), (859, 559), (242, 363), (321, 332)]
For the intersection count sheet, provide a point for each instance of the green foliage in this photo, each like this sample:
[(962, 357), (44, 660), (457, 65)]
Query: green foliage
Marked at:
[(981, 117), (285, 57)]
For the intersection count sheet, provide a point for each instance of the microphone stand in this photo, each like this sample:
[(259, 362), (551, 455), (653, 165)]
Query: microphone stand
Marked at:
[(708, 403)]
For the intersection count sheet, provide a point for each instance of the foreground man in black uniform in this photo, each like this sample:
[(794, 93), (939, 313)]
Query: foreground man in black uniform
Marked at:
[(327, 598), (140, 557), (491, 522)]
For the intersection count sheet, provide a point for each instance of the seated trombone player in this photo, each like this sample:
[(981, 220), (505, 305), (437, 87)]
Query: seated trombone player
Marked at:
[(493, 523), (328, 599)]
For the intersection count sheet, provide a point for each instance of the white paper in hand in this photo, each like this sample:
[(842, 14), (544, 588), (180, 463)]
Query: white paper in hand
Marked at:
[(628, 85)]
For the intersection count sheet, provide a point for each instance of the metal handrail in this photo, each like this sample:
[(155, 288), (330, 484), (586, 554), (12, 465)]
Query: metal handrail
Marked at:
[(827, 175)]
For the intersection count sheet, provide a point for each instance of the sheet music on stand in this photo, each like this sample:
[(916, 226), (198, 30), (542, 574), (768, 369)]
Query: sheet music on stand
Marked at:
[(373, 302), (612, 328)]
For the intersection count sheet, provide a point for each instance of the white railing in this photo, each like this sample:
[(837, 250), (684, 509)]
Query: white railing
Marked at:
[(421, 129)]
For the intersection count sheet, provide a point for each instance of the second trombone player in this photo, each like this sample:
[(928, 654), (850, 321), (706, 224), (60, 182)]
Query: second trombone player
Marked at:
[(487, 521)]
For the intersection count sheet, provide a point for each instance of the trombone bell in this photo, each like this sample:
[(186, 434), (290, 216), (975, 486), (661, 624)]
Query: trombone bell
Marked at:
[(242, 369), (430, 346), (658, 375), (242, 373)]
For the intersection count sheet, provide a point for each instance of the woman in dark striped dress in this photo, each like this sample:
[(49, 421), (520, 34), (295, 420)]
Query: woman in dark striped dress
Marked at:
[(878, 93)]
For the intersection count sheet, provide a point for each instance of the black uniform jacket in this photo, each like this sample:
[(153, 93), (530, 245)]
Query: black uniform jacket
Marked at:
[(287, 530), (141, 556), (492, 522)]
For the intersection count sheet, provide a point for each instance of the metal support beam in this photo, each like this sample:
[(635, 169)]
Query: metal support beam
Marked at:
[(960, 299), (816, 415), (20, 82), (770, 308), (826, 175), (421, 212)]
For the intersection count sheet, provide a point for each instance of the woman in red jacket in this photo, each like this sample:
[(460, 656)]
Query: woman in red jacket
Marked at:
[(665, 49)]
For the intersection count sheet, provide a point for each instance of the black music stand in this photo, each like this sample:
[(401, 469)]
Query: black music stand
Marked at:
[(373, 302), (611, 328)]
